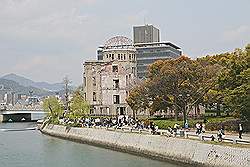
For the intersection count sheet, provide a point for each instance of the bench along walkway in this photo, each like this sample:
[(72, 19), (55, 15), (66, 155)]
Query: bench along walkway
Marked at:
[(232, 138), (181, 133)]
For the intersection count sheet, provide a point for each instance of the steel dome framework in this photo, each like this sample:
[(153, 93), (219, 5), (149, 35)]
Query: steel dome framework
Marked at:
[(118, 41)]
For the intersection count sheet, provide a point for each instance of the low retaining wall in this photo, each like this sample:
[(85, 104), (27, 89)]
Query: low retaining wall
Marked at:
[(167, 148)]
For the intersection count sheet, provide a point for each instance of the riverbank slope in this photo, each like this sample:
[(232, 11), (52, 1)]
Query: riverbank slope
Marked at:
[(160, 147)]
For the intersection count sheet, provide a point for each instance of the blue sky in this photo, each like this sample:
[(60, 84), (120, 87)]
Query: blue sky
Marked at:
[(47, 39)]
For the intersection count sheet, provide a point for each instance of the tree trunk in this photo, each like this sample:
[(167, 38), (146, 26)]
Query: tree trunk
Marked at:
[(175, 113), (175, 109), (218, 110), (184, 115), (134, 115)]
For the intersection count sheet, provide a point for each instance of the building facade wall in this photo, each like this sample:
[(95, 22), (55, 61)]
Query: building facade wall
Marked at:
[(147, 55), (106, 82), (146, 34)]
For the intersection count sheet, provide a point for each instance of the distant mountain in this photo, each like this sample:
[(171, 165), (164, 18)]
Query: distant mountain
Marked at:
[(8, 85), (29, 83)]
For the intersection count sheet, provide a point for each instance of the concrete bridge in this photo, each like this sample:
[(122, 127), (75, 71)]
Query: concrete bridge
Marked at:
[(24, 108), (21, 115)]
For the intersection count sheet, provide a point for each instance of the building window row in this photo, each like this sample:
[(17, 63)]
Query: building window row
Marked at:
[(120, 56), (116, 98)]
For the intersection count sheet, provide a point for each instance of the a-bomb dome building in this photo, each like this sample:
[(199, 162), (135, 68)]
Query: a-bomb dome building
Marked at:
[(106, 81)]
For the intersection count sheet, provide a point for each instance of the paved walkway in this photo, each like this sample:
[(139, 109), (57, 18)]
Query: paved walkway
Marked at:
[(229, 137), (233, 135)]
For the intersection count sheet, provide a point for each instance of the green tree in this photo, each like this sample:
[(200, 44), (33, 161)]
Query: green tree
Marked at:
[(179, 83), (232, 85), (185, 82), (238, 93), (53, 107), (138, 99), (79, 107), (248, 49), (238, 99), (214, 97)]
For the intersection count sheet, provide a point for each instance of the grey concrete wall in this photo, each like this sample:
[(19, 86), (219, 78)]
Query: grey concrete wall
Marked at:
[(180, 150), (1, 118)]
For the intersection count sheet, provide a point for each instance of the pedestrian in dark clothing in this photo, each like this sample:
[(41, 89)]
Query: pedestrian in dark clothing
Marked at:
[(221, 133), (212, 138), (152, 127), (240, 129)]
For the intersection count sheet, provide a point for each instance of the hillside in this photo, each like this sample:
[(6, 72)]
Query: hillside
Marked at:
[(29, 83), (17, 88)]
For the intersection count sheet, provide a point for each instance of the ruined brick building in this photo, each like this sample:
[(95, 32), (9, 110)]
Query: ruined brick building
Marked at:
[(107, 81)]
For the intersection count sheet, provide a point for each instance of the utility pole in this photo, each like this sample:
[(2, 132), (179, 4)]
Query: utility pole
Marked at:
[(66, 89)]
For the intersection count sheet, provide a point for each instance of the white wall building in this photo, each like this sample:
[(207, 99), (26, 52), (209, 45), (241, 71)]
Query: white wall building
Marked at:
[(107, 82)]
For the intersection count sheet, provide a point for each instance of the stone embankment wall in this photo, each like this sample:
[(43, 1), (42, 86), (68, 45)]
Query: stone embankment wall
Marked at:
[(166, 148), (1, 118)]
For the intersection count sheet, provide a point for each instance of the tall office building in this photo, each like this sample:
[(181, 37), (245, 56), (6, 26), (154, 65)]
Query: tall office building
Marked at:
[(148, 53), (146, 34), (149, 49)]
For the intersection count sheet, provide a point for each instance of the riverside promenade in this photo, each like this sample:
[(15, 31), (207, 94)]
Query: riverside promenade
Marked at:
[(229, 137), (180, 150)]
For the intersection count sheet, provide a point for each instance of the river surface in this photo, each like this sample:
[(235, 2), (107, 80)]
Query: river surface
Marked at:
[(33, 149)]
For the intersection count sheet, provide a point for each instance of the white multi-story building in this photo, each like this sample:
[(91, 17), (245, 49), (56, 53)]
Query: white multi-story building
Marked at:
[(107, 81)]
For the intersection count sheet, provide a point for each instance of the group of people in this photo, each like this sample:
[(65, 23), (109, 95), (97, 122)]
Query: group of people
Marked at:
[(116, 122), (221, 133), (123, 121), (173, 130)]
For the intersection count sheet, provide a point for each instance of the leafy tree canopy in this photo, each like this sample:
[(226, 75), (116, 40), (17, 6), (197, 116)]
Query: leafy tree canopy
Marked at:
[(79, 107), (180, 83), (53, 107)]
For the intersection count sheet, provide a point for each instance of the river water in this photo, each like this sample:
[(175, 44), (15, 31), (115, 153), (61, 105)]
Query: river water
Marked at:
[(33, 149)]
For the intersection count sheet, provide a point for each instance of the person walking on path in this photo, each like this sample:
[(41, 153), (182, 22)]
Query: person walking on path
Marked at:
[(240, 128), (221, 134)]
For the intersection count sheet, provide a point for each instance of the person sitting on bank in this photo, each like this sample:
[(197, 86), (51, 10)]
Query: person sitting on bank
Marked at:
[(186, 125), (176, 126), (170, 130), (203, 130), (198, 128)]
